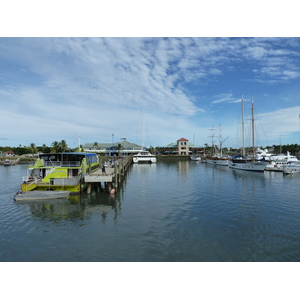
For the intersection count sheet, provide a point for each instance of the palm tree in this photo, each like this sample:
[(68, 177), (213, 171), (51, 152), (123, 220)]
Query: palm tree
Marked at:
[(33, 148), (119, 147), (96, 145), (55, 147), (63, 146), (44, 147)]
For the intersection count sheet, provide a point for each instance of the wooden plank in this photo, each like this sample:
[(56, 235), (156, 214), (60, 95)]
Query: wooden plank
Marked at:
[(98, 178)]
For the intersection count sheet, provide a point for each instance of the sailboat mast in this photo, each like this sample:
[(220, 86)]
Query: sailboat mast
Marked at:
[(213, 141), (220, 137), (143, 130), (253, 147), (243, 130)]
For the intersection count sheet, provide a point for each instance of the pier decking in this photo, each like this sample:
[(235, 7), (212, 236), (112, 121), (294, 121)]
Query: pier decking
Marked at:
[(112, 176)]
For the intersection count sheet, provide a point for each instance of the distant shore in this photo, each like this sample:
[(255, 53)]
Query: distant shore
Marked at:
[(20, 159)]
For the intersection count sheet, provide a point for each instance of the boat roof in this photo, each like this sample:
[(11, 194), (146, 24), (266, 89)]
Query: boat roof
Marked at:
[(70, 153)]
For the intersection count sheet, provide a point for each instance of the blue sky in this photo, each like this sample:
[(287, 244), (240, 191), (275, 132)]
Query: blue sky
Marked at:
[(55, 87), (62, 88)]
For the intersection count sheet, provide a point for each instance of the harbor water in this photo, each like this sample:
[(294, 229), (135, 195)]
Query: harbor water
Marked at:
[(171, 211)]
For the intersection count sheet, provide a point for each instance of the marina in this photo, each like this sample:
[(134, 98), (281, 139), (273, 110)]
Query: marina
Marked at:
[(174, 210)]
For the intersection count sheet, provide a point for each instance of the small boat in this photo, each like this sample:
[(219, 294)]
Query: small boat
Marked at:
[(6, 163), (41, 195), (144, 156), (290, 169), (195, 157)]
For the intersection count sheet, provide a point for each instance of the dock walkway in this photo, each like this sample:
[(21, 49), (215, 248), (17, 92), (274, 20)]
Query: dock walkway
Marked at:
[(112, 176)]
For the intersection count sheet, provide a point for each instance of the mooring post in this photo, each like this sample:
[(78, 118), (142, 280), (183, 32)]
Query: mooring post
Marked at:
[(116, 175)]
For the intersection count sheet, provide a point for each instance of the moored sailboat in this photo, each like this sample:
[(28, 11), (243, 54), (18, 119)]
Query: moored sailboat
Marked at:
[(217, 159), (242, 162)]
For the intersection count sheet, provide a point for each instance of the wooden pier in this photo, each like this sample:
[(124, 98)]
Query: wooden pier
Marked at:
[(112, 177)]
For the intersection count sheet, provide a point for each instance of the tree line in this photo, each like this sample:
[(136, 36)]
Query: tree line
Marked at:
[(55, 147), (62, 146)]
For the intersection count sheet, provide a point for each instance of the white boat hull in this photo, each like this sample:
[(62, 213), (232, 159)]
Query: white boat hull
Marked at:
[(144, 159), (248, 166), (144, 156), (291, 169), (219, 162), (195, 157)]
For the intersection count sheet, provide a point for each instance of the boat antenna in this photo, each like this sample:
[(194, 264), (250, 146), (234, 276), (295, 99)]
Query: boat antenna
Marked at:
[(79, 148)]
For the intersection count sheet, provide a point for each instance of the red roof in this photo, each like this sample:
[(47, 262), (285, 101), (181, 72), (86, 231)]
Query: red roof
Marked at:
[(183, 139)]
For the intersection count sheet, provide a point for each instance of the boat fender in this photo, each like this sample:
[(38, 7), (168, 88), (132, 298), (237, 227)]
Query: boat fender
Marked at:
[(112, 191)]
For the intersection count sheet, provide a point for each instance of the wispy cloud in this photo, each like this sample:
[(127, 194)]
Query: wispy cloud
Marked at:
[(225, 98), (96, 84)]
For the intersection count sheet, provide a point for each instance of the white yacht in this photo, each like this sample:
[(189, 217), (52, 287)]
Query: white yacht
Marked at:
[(144, 156), (276, 161)]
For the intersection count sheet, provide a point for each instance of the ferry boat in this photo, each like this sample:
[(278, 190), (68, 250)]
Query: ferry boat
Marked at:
[(144, 156), (60, 172)]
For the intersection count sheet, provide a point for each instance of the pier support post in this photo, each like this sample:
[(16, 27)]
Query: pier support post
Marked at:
[(89, 188)]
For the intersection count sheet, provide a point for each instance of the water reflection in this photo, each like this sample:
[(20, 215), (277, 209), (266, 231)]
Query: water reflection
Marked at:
[(76, 208), (183, 167)]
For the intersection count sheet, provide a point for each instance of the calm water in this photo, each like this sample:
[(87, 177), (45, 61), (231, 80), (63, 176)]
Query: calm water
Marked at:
[(169, 211)]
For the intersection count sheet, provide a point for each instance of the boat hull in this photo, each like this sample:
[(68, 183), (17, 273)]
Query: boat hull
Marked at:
[(248, 166), (41, 195), (291, 170), (144, 160), (195, 158), (144, 157), (219, 162)]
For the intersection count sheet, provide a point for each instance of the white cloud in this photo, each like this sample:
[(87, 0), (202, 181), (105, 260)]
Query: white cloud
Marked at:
[(97, 85)]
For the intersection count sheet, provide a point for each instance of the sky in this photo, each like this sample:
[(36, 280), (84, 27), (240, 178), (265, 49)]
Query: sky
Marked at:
[(95, 88)]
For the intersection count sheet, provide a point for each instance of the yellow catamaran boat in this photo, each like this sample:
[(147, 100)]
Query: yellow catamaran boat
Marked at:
[(60, 172)]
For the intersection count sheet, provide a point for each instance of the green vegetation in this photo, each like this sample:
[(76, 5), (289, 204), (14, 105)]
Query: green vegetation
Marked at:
[(33, 149), (62, 146)]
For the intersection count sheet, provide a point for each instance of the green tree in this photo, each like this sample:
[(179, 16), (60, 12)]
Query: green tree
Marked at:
[(96, 145), (63, 146), (55, 147)]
